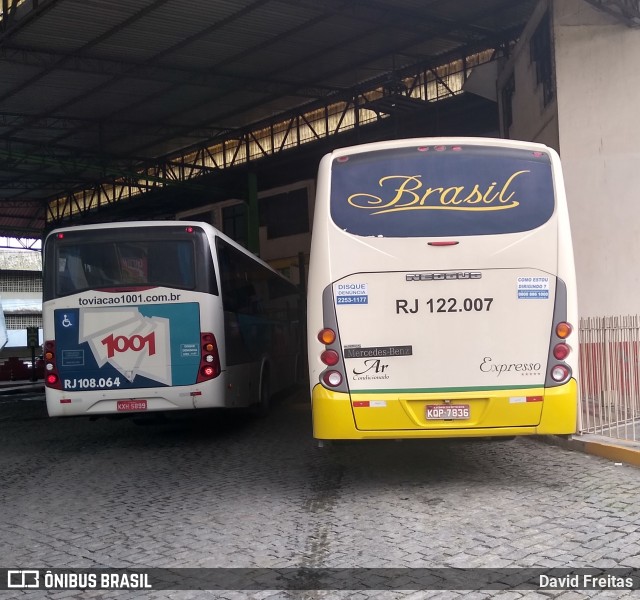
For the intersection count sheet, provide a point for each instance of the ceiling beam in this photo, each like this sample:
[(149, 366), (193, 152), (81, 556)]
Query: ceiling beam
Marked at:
[(79, 63)]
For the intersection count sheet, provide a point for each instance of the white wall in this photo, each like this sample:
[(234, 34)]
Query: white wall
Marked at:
[(598, 91)]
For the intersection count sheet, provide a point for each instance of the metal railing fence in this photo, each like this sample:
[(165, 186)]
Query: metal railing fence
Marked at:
[(610, 376)]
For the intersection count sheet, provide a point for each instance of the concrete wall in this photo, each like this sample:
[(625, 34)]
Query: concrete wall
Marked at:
[(593, 122), (598, 83)]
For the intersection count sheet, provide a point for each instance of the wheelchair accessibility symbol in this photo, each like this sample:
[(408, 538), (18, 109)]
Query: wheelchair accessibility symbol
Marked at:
[(66, 322)]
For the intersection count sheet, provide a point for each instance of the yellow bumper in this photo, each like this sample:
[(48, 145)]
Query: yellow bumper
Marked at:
[(339, 416)]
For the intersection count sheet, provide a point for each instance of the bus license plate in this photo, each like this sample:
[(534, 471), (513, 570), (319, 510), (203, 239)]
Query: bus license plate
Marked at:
[(447, 411), (126, 405)]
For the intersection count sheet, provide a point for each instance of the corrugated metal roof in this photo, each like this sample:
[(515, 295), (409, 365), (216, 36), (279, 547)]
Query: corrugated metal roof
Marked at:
[(89, 89)]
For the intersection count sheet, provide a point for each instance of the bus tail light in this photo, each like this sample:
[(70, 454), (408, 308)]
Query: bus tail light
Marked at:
[(561, 351), (332, 377), (559, 371), (51, 378), (330, 357), (209, 358), (207, 372)]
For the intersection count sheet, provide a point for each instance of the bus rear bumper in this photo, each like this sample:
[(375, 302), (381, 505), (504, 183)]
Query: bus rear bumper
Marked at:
[(334, 418), (137, 401), (80, 405)]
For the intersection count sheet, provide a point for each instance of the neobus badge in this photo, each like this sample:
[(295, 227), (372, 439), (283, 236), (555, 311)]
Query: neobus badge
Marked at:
[(443, 276)]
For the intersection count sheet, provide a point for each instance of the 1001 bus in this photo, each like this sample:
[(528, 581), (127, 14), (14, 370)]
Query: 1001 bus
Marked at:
[(162, 316)]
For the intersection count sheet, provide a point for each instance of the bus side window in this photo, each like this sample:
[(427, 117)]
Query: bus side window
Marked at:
[(227, 277), (247, 300)]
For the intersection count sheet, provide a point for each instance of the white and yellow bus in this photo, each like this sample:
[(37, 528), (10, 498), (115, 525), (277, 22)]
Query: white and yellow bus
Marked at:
[(442, 296), (147, 316)]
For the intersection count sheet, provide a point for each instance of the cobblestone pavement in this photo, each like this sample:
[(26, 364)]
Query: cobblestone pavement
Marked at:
[(222, 491)]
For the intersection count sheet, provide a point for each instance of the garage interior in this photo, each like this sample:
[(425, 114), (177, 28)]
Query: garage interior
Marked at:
[(140, 109)]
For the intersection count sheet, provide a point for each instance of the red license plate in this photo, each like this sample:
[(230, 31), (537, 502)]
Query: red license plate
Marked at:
[(128, 405), (447, 412)]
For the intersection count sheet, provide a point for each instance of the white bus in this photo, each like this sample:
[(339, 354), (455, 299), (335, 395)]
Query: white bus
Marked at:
[(442, 295), (162, 316)]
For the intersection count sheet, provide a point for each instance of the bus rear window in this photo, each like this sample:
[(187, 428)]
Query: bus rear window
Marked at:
[(103, 259), (434, 191)]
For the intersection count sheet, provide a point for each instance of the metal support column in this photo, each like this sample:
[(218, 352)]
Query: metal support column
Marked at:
[(253, 221)]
